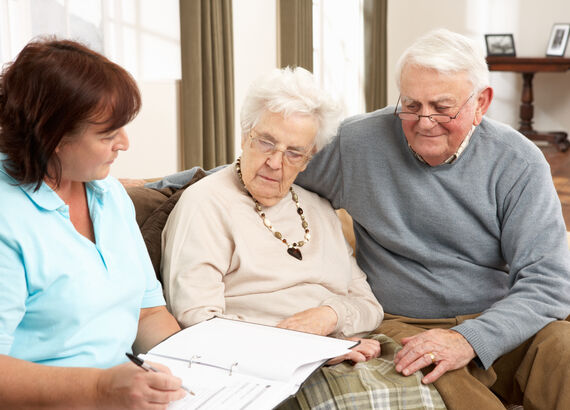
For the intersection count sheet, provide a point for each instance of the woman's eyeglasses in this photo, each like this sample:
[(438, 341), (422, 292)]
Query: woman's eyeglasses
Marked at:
[(291, 157)]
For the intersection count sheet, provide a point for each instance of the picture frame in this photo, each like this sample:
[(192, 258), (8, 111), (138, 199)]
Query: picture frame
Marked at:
[(500, 44), (558, 40)]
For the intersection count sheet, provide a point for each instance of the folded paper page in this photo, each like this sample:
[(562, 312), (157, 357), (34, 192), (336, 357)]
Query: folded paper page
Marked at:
[(233, 364)]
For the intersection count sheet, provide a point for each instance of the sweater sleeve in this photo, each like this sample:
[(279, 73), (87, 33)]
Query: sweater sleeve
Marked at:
[(179, 179), (534, 244), (323, 174), (197, 247), (358, 312)]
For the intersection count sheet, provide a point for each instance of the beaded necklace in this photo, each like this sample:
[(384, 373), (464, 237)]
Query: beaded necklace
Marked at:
[(292, 249)]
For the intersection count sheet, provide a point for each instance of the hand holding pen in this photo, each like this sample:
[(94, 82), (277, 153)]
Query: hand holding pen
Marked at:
[(147, 367)]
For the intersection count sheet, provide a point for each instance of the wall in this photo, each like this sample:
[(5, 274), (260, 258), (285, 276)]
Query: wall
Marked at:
[(154, 135), (255, 47), (529, 21)]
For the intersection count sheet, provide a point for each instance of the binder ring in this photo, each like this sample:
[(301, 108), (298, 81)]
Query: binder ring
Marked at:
[(193, 359), (232, 367)]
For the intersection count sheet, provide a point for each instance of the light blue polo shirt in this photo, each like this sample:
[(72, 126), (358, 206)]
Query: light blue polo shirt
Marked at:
[(64, 300)]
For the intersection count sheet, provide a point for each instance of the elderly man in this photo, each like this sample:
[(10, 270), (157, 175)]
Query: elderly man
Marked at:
[(460, 232)]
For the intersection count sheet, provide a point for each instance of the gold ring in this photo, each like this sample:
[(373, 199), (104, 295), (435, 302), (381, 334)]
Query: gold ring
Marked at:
[(431, 356)]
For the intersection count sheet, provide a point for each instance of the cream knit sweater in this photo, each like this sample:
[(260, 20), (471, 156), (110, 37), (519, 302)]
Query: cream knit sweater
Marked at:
[(220, 260)]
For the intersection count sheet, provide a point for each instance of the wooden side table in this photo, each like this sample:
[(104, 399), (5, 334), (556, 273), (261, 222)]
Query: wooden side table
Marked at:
[(528, 67)]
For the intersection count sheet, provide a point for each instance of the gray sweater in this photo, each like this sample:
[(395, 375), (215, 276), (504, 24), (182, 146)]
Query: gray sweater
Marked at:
[(483, 234)]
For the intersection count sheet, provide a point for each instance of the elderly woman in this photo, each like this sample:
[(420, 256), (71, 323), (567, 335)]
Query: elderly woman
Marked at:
[(245, 243), (76, 284)]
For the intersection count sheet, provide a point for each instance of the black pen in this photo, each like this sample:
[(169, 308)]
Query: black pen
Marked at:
[(147, 367)]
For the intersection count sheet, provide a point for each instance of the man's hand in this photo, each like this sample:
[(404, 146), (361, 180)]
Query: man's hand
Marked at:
[(320, 321), (445, 348)]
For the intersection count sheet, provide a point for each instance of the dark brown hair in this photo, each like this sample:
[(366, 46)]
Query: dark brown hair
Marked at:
[(53, 89)]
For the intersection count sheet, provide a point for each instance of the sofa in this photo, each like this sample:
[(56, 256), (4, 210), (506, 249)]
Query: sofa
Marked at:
[(153, 207)]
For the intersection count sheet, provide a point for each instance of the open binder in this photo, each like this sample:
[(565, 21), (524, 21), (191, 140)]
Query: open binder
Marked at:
[(230, 364)]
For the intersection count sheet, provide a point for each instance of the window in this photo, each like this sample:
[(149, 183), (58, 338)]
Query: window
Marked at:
[(141, 35), (338, 39)]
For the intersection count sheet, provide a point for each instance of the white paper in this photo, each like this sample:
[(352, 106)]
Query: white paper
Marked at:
[(247, 348), (230, 364), (214, 388)]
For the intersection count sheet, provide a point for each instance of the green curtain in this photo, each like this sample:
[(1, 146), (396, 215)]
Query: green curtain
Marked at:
[(295, 33), (375, 67), (207, 86)]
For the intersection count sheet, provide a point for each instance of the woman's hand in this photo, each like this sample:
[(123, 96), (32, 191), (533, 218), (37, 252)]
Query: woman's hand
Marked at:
[(367, 349), (321, 320), (130, 387)]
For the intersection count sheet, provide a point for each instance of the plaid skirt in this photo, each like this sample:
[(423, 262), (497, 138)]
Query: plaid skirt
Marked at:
[(374, 384)]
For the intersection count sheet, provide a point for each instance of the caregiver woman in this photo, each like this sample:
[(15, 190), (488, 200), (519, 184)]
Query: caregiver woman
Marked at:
[(76, 284)]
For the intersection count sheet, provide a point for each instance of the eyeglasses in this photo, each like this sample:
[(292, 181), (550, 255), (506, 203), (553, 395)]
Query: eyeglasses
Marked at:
[(291, 157), (439, 118)]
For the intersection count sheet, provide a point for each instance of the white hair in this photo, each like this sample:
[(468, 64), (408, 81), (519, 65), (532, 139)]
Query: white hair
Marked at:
[(291, 91), (447, 53)]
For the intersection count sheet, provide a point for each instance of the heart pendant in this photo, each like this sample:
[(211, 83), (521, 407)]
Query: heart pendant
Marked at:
[(295, 252)]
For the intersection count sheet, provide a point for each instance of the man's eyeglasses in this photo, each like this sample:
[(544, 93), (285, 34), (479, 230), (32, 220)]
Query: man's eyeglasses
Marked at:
[(439, 118), (291, 157)]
